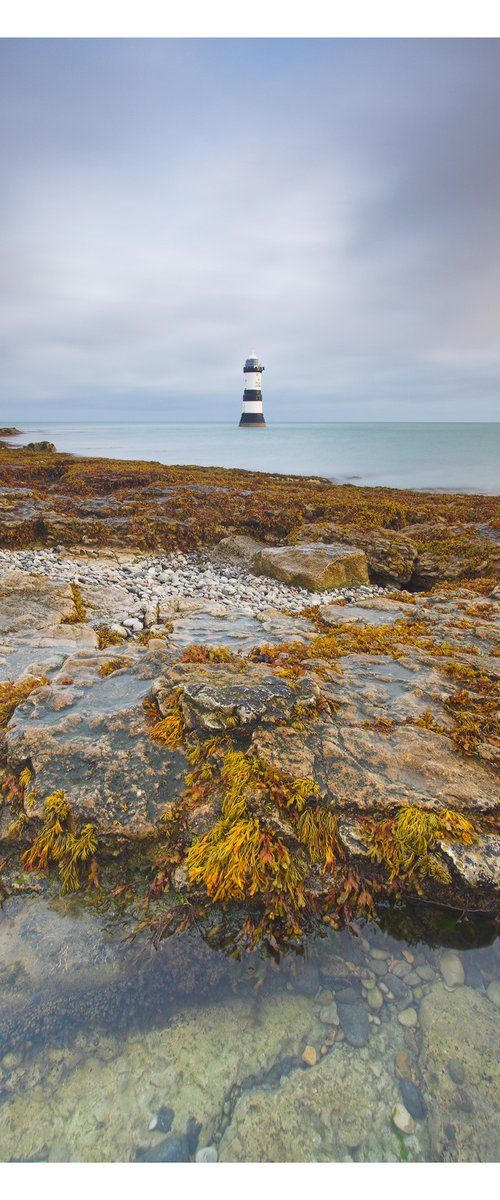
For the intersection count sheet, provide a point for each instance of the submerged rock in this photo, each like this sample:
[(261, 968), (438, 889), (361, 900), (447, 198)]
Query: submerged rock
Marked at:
[(172, 1149)]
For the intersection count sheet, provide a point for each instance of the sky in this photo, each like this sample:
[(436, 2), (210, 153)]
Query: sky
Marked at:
[(169, 206)]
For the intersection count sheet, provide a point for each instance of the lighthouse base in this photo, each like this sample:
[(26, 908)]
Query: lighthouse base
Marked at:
[(252, 419)]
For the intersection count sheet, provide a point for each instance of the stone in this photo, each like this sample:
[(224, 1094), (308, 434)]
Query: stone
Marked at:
[(403, 1069), (316, 567), (412, 1099), (211, 694), (462, 1100), (408, 1018), (355, 1023), (206, 1154), (375, 999), (329, 1014), (310, 1056), (455, 1070), (347, 995), (240, 548), (425, 972), (390, 556), (402, 1120), (451, 969), (174, 1148), (493, 992)]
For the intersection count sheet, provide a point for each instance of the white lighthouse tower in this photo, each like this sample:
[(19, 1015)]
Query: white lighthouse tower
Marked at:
[(252, 415)]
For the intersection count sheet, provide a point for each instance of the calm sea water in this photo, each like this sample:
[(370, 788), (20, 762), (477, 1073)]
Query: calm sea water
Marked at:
[(450, 457)]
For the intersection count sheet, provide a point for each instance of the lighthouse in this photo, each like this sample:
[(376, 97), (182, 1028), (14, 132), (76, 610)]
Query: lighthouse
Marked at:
[(252, 414)]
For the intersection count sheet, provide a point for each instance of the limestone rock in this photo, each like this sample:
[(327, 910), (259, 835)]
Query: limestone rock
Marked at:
[(214, 694), (315, 566), (239, 548), (390, 556)]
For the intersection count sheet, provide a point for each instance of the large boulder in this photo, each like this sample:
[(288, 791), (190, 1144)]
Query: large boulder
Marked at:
[(315, 566), (238, 548), (390, 556)]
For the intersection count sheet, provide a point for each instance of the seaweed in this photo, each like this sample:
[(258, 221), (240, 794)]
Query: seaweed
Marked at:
[(59, 841), (406, 842), (79, 614), (12, 694)]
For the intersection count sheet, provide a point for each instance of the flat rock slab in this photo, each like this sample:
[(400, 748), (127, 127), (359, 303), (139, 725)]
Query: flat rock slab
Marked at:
[(212, 695), (316, 566)]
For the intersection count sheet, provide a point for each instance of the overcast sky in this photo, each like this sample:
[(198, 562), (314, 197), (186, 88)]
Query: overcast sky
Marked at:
[(168, 207)]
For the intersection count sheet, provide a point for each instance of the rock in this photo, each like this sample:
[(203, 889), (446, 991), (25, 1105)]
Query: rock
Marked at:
[(355, 1023), (310, 1056), (306, 979), (424, 972), (172, 1149), (329, 1014), (375, 998), (162, 1120), (451, 969), (315, 567), (193, 1130), (403, 1069), (45, 447), (390, 556), (455, 1070), (408, 1018), (211, 694), (493, 992), (412, 1099), (206, 1154), (240, 548), (402, 1120), (347, 995)]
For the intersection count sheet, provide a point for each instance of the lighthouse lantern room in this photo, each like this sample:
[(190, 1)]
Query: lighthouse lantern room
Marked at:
[(252, 415)]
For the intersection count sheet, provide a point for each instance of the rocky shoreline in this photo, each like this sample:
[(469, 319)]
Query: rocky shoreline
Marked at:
[(259, 727)]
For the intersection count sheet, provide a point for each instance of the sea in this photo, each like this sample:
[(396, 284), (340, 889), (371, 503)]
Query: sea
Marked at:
[(452, 457)]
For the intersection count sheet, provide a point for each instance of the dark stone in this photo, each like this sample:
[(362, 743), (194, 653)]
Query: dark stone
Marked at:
[(450, 1132), (472, 974), (193, 1130), (48, 447), (172, 1149), (412, 1099), (347, 995), (397, 986), (164, 1118), (355, 1024), (306, 981), (378, 967), (455, 1070)]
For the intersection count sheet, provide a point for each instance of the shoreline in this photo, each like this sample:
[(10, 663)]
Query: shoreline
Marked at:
[(230, 650)]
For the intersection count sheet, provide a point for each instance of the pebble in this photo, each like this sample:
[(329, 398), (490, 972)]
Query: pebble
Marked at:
[(155, 580), (10, 1061), (403, 1069), (375, 998), (412, 1099), (329, 1015), (355, 1024), (309, 1056), (493, 992), (455, 1070), (402, 1119), (172, 1149), (348, 995), (162, 1120), (451, 969), (207, 1154), (381, 955), (426, 973), (408, 1018)]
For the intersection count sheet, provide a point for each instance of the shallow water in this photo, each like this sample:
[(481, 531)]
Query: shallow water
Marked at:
[(440, 456), (98, 1035)]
